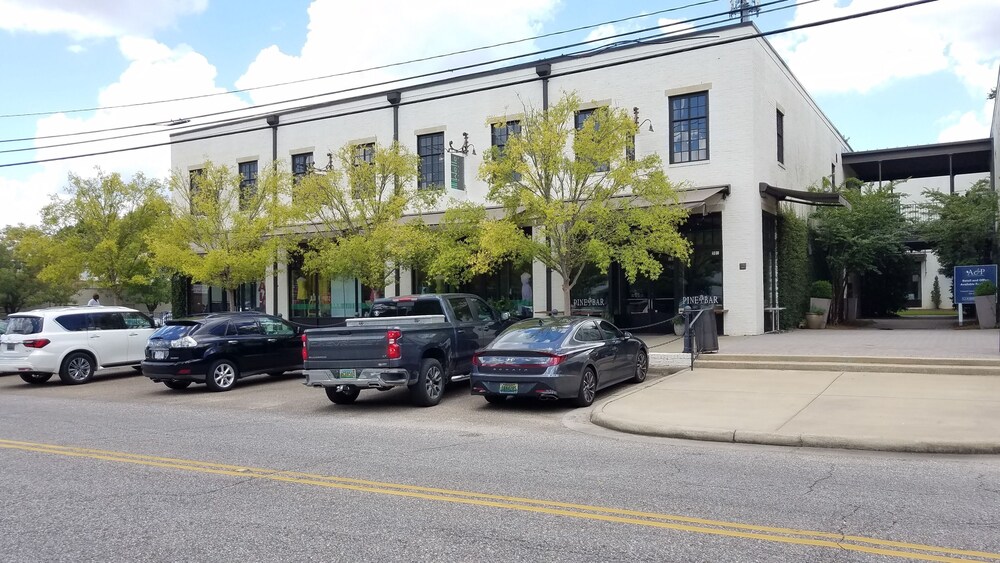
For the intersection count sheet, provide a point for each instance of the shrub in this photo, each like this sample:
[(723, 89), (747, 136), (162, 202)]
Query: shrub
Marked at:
[(816, 311), (821, 289), (986, 288), (936, 294), (793, 267)]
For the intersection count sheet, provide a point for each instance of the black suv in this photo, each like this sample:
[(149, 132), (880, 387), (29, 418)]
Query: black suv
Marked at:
[(219, 348)]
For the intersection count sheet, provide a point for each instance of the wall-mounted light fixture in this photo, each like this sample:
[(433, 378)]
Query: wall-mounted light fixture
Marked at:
[(638, 124), (465, 148)]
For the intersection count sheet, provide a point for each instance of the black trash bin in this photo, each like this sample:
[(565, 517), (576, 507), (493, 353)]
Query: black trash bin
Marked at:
[(706, 335)]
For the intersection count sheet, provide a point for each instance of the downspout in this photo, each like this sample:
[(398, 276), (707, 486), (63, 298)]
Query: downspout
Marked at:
[(543, 71), (272, 120)]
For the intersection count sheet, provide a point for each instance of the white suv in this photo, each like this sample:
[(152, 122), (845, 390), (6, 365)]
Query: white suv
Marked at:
[(73, 342)]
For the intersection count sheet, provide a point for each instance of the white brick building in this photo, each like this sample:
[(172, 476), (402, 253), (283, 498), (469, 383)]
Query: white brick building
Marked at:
[(747, 91)]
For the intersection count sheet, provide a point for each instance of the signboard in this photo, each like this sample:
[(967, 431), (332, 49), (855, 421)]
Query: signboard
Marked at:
[(457, 172), (968, 277)]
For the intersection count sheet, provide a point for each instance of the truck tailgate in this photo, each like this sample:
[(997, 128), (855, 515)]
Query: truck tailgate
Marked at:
[(345, 344)]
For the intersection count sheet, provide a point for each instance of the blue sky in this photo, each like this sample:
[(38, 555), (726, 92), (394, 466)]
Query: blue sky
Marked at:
[(913, 76)]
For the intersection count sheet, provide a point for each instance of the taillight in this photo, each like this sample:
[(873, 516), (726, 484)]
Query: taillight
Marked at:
[(476, 361), (305, 350), (555, 360), (37, 343), (393, 352)]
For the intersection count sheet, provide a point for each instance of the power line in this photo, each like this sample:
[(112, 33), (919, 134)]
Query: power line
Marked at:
[(345, 90), (359, 71), (504, 85)]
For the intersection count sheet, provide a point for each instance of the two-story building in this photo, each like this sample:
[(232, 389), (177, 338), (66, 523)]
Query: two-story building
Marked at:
[(733, 126)]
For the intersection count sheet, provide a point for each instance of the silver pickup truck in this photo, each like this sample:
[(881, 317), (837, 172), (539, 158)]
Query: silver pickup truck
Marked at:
[(427, 343)]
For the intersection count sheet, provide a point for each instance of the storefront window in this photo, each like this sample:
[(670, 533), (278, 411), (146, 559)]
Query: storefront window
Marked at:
[(315, 297), (198, 299), (590, 294)]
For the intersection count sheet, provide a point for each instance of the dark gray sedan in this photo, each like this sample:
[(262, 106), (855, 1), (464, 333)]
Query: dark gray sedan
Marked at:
[(558, 358)]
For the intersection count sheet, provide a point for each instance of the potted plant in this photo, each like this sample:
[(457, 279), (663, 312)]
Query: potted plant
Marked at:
[(679, 325), (986, 304), (815, 318), (820, 296)]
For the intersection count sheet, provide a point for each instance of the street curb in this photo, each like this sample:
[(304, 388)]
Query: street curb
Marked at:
[(873, 443)]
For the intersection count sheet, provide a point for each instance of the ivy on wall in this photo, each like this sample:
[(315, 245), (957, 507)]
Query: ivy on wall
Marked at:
[(179, 286), (793, 267)]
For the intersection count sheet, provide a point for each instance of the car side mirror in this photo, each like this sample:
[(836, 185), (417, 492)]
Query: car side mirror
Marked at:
[(505, 316), (628, 334)]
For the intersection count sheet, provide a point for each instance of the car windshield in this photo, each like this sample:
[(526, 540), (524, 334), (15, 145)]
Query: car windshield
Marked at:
[(24, 325), (545, 336), (172, 331)]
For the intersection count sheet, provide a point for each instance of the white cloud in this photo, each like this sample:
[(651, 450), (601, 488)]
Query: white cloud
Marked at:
[(94, 18), (345, 36), (865, 54), (76, 49), (153, 69), (962, 126)]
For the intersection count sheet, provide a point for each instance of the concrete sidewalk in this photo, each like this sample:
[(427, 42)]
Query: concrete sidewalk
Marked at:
[(909, 412)]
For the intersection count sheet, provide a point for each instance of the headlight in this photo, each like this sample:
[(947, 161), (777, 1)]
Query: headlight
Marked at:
[(185, 342)]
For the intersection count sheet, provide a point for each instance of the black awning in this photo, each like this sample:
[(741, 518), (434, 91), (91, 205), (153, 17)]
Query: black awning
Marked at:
[(819, 199)]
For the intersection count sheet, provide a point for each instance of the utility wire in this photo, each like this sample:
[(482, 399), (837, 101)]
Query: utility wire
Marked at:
[(507, 84), (355, 88), (358, 71)]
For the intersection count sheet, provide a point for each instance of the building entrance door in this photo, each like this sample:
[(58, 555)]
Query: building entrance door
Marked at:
[(653, 302)]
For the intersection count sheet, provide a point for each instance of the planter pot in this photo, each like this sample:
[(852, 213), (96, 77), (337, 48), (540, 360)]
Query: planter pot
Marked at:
[(986, 310), (820, 303), (815, 321), (679, 329)]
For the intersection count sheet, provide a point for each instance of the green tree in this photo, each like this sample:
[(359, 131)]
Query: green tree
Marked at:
[(99, 229), (223, 231), (961, 226), (793, 267), (585, 195), (864, 238), (357, 206), (150, 293), (20, 286)]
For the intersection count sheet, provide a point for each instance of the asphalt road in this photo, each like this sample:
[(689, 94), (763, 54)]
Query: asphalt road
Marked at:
[(122, 469)]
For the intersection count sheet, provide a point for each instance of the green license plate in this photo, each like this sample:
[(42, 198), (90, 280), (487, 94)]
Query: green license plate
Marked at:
[(348, 374), (508, 388)]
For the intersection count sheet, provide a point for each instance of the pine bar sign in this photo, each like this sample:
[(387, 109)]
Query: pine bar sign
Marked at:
[(457, 172)]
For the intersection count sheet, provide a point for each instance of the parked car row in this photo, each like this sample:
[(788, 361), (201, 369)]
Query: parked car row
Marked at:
[(421, 342)]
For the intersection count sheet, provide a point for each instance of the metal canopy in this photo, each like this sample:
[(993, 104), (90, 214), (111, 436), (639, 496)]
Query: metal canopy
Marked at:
[(820, 199), (923, 161)]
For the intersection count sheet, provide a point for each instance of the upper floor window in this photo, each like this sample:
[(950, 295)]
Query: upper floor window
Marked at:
[(248, 182), (780, 123), (689, 127), (581, 117), (500, 132), (430, 149), (194, 188), (363, 154), (302, 164)]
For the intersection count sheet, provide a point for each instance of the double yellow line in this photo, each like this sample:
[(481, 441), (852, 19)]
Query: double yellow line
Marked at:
[(555, 508)]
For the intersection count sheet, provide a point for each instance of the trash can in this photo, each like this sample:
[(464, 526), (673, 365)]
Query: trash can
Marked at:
[(706, 335)]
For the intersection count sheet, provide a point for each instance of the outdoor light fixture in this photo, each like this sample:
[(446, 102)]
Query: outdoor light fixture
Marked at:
[(465, 148), (638, 125)]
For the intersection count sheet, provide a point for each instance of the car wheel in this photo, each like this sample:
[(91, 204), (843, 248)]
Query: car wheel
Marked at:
[(222, 375), (77, 368), (588, 389), (177, 384), (495, 399), (343, 394), (641, 366), (430, 384), (35, 378)]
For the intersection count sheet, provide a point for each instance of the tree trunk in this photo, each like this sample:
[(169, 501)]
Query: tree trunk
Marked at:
[(567, 300), (231, 294)]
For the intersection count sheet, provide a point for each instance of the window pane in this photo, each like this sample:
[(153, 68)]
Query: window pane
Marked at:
[(430, 149), (689, 127), (137, 320), (589, 333), (246, 326), (463, 313)]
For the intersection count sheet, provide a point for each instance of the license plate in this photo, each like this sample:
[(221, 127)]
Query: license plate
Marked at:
[(159, 354), (348, 374), (10, 347), (508, 388)]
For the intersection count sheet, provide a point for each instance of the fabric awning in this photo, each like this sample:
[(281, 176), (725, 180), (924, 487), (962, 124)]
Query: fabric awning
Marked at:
[(820, 199), (702, 199)]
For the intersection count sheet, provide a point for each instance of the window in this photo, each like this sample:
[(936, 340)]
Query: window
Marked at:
[(364, 153), (302, 164), (610, 331), (500, 132), (194, 187), (689, 127), (483, 311), (588, 332), (246, 327), (581, 117), (430, 148), (248, 182), (72, 323), (463, 313), (781, 135), (273, 326), (106, 321), (137, 320)]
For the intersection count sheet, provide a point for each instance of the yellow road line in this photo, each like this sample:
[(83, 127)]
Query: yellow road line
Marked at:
[(648, 519)]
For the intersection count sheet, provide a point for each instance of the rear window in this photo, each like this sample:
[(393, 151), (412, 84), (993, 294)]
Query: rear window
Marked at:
[(172, 332), (535, 335), (392, 308), (24, 325)]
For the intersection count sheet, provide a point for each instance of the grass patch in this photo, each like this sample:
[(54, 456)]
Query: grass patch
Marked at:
[(927, 313)]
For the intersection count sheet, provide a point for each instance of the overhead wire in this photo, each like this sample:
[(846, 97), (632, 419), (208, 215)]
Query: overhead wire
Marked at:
[(587, 69)]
